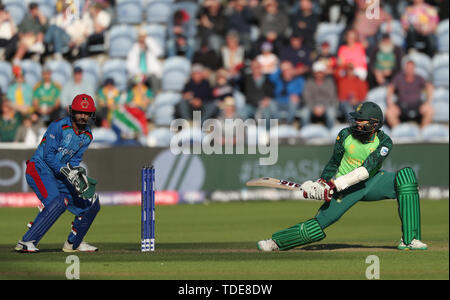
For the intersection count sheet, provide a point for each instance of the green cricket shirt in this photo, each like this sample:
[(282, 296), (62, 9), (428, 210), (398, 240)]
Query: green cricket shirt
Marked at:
[(349, 154), (46, 94)]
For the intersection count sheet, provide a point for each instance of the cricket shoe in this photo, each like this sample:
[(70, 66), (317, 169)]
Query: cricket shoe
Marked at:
[(414, 245), (267, 245), (26, 247), (84, 247)]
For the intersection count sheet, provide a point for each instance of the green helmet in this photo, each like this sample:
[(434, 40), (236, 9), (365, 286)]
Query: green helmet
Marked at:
[(366, 111)]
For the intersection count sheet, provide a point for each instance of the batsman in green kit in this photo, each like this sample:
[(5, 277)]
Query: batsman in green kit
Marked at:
[(354, 174)]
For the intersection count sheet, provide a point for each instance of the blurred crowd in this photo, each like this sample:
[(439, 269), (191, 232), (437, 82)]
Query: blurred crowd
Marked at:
[(247, 59)]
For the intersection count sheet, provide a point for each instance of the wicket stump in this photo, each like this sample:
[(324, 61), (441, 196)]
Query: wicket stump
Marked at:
[(147, 209)]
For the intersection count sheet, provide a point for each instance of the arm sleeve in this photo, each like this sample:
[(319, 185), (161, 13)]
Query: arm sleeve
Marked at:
[(53, 136), (376, 158), (338, 152)]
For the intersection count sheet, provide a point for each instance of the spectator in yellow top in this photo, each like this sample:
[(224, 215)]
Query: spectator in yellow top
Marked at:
[(108, 99), (20, 93)]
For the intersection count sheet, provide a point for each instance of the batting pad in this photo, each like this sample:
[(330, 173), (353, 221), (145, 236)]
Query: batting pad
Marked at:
[(408, 204), (299, 234)]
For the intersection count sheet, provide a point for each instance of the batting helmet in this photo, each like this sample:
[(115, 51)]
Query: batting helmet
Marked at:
[(367, 111)]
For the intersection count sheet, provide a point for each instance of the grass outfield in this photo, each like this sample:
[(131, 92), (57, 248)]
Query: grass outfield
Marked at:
[(218, 241)]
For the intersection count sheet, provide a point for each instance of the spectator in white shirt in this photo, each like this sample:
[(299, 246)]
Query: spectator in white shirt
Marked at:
[(67, 32), (98, 23), (8, 30), (143, 59)]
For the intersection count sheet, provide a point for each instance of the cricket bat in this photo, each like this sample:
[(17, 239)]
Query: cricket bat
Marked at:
[(279, 184), (274, 183)]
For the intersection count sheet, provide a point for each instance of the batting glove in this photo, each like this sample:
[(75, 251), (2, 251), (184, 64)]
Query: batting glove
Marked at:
[(327, 188), (316, 190)]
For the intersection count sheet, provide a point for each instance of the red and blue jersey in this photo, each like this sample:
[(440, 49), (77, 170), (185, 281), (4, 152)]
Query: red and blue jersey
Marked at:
[(61, 145)]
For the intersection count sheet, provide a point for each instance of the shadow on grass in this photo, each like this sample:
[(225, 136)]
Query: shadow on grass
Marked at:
[(345, 247), (207, 247)]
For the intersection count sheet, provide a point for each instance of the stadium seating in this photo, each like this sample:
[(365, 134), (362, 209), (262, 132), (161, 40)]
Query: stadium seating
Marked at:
[(163, 115), (285, 131), (441, 112), (406, 133), (103, 136), (440, 66), (159, 111), (163, 109), (32, 71), (435, 133), (174, 80), (61, 70), (441, 95), (442, 36), (5, 75), (176, 71), (129, 11), (159, 137), (191, 8), (117, 70), (121, 38), (17, 9), (386, 130), (91, 69), (315, 133), (158, 11), (177, 62), (158, 32), (329, 32), (334, 131), (378, 95), (167, 98), (397, 33), (423, 63), (47, 7)]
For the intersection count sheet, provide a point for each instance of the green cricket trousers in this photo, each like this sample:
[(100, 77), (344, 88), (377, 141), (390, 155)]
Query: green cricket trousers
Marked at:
[(380, 186)]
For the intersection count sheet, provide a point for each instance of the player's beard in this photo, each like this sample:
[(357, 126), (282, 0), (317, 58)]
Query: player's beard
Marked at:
[(363, 137), (362, 133), (81, 122)]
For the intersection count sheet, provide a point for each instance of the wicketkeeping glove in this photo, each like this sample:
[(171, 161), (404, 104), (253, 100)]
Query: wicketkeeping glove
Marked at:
[(90, 192), (76, 176)]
